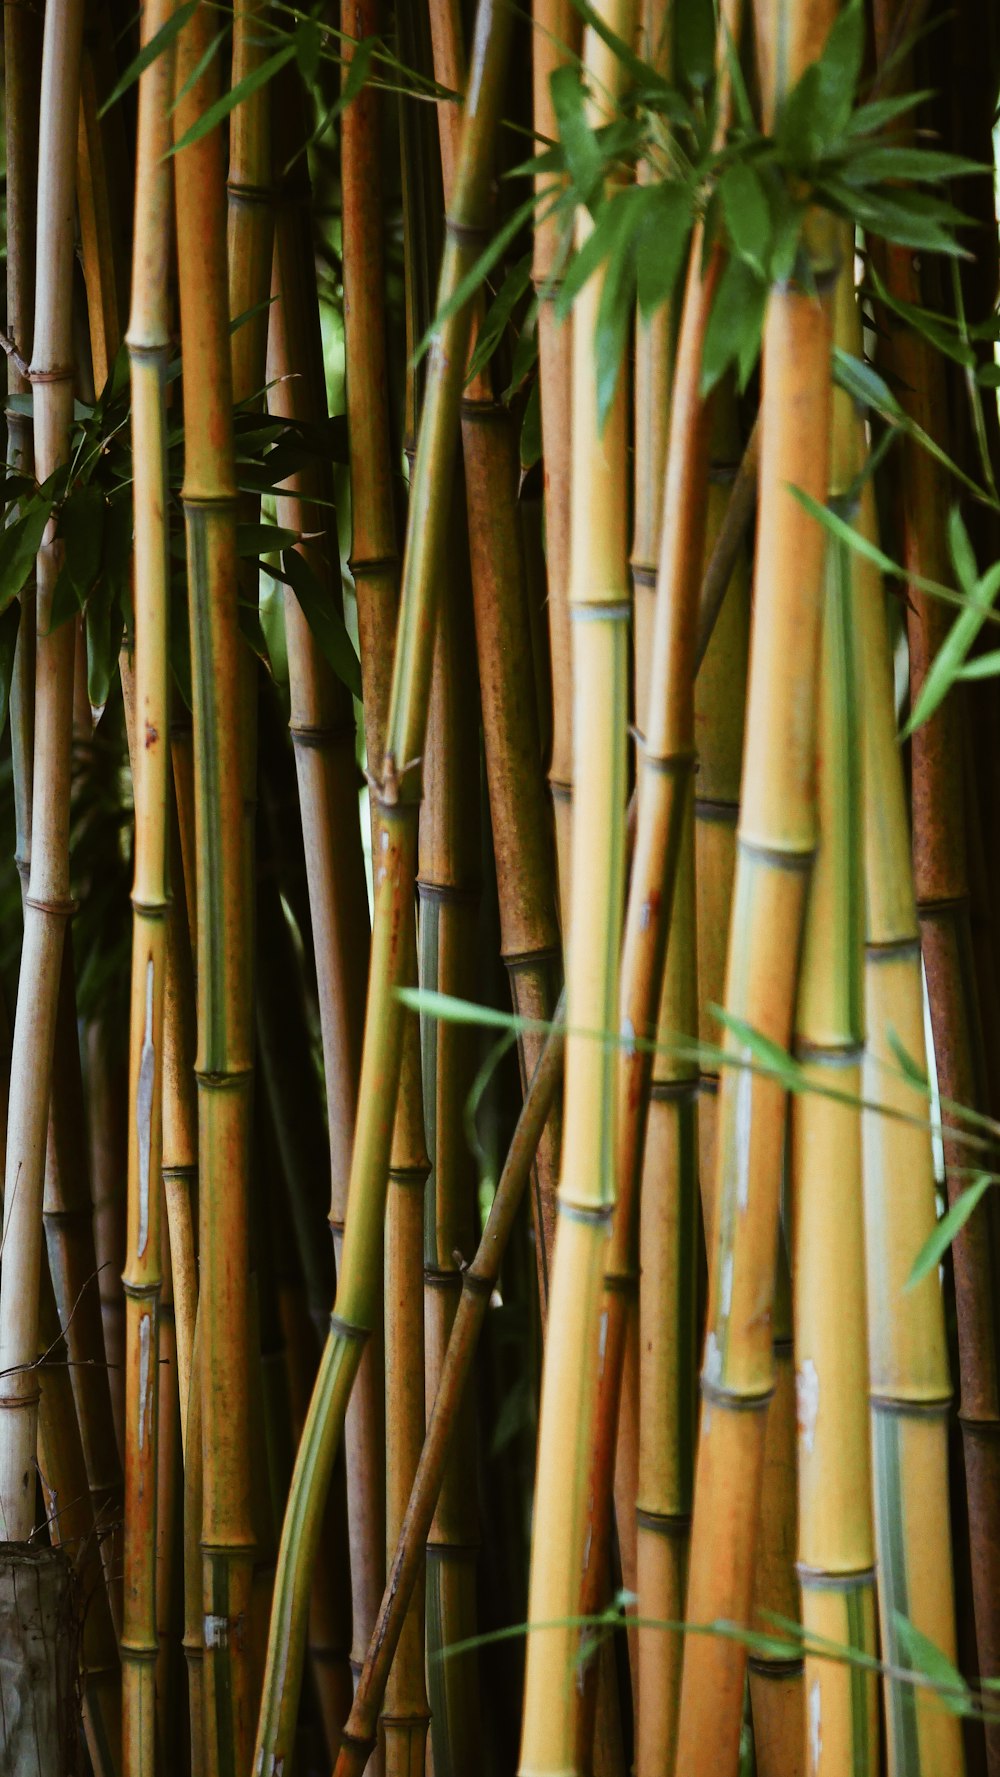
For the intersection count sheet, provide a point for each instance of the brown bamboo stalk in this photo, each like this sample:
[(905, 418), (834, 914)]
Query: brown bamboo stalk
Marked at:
[(48, 904), (478, 1281), (522, 837), (941, 880), (225, 1057)]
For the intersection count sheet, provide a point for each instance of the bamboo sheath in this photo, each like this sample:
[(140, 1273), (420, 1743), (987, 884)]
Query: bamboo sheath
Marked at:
[(224, 1059), (599, 604), (775, 846), (148, 346), (940, 862), (908, 1360), (521, 826), (835, 1535), (555, 40), (478, 1281), (47, 902), (398, 791)]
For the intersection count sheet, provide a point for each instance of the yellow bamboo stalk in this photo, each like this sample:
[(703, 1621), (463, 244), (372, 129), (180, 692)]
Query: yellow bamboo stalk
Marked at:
[(148, 347), (48, 901), (599, 604), (555, 39), (775, 847), (225, 1059), (668, 1234), (836, 1540), (908, 1360)]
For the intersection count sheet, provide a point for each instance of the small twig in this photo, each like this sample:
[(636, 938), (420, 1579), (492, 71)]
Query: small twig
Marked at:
[(10, 348)]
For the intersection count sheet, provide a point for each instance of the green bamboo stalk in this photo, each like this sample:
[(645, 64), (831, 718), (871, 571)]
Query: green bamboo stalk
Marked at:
[(148, 347), (478, 1281), (448, 888), (405, 1714), (397, 799), (48, 904), (835, 1541), (521, 826), (668, 1234), (555, 39), (323, 732), (908, 1359), (225, 1057), (599, 604), (775, 848)]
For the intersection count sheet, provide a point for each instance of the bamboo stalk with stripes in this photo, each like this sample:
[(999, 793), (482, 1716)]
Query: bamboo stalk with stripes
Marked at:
[(599, 605), (395, 870), (836, 1552), (148, 346), (224, 1059), (776, 841)]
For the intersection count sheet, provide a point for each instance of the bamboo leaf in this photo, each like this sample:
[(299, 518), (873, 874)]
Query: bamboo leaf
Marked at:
[(981, 666), (661, 244), (531, 429), (103, 632), (468, 285), (884, 162), (204, 61), (584, 157), (869, 119), (950, 657), (19, 544), (264, 539), (747, 214), (925, 1657), (768, 1054), (734, 325), (937, 1244), (324, 619), (694, 41), (499, 314), (159, 42), (910, 1068), (244, 89), (9, 624)]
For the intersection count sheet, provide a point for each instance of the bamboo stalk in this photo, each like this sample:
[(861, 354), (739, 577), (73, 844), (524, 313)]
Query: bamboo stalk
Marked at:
[(478, 1281), (180, 1122), (775, 846), (665, 771), (322, 725), (941, 880), (555, 39), (521, 826), (170, 1682), (69, 1238), (448, 888), (47, 903), (908, 1360), (106, 1092), (148, 347), (668, 1234), (397, 801), (599, 605), (224, 1061), (835, 1541)]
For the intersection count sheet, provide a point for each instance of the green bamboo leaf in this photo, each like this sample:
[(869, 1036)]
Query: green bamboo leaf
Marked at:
[(81, 528), (308, 47), (840, 66), (734, 325), (910, 1068), (614, 314), (161, 40), (476, 274), (646, 78), (244, 89), (924, 1656), (859, 380), (531, 428), (981, 666), (694, 41), (19, 544), (584, 155), (499, 313), (204, 61), (747, 213), (103, 627), (264, 539), (609, 220), (324, 619), (951, 656), (9, 623), (871, 164), (661, 243), (937, 1244), (962, 554), (869, 119), (839, 529), (767, 1054)]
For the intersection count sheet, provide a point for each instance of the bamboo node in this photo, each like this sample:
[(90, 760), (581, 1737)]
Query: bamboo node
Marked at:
[(345, 1329), (59, 909)]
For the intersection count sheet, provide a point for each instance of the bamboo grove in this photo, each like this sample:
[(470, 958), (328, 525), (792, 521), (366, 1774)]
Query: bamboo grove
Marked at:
[(499, 946)]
